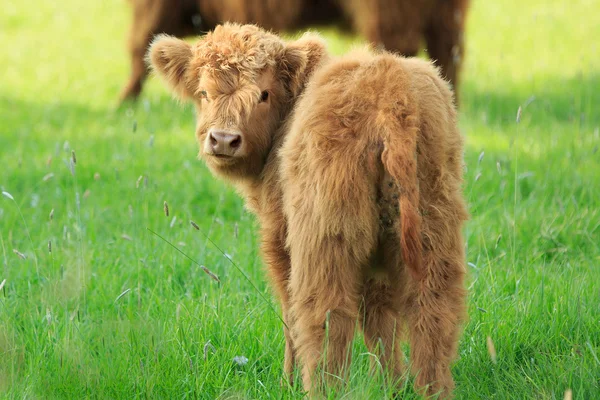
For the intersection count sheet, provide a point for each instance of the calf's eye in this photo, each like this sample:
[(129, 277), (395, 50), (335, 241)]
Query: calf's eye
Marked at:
[(264, 96)]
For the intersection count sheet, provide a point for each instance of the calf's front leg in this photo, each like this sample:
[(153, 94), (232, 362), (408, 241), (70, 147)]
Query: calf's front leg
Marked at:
[(278, 268)]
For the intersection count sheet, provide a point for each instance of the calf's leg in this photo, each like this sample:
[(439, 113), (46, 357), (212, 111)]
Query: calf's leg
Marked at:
[(331, 233), (436, 308), (382, 325)]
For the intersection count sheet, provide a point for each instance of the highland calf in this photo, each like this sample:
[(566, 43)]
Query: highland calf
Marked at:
[(353, 166), (399, 25)]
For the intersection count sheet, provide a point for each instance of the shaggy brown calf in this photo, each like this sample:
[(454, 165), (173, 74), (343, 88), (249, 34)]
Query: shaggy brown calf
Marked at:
[(354, 169), (399, 25)]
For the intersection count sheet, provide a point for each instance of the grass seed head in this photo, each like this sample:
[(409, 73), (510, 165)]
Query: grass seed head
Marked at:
[(139, 180), (51, 215), (17, 252), (96, 176), (8, 195), (2, 284), (49, 246), (122, 294), (480, 157), (126, 237), (213, 276), (240, 360), (491, 349), (166, 208), (195, 225), (208, 346), (47, 177), (519, 111), (73, 158)]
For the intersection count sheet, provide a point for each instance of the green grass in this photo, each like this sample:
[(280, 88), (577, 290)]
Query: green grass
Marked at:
[(107, 317)]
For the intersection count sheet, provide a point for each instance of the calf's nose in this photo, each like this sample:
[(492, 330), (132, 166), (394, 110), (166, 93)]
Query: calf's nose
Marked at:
[(224, 143)]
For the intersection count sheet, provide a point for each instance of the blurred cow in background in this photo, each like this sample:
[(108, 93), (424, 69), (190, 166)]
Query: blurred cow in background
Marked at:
[(398, 25)]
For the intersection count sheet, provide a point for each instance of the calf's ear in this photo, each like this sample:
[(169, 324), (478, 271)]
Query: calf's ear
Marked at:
[(170, 58), (300, 59)]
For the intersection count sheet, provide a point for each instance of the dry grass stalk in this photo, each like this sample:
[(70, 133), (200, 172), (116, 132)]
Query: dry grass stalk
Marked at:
[(126, 237), (519, 111), (47, 177), (139, 180), (2, 284), (568, 394)]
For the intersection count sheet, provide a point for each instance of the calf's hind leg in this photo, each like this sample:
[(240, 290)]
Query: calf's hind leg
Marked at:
[(331, 234), (436, 309), (382, 325), (382, 319)]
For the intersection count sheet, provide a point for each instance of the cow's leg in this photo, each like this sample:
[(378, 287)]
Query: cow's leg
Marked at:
[(151, 17), (145, 20), (444, 39)]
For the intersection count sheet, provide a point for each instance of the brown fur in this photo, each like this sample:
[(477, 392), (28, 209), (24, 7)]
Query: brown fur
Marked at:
[(354, 168), (399, 25)]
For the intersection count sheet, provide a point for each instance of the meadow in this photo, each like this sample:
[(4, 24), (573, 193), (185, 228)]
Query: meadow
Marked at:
[(95, 305)]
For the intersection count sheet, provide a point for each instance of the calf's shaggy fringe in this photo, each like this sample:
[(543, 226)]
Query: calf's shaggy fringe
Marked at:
[(353, 166)]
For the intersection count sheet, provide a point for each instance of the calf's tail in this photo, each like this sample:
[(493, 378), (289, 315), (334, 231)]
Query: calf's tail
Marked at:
[(399, 157)]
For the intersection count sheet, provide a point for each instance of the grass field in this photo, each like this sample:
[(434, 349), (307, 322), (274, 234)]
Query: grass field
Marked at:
[(115, 312)]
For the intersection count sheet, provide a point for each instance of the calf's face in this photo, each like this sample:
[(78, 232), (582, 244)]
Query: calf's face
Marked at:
[(243, 82), (237, 119)]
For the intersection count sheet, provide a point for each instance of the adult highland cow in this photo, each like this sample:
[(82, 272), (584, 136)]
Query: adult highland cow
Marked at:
[(399, 25), (353, 166)]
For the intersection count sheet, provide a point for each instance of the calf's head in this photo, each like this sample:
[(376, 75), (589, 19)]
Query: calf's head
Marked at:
[(243, 82)]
